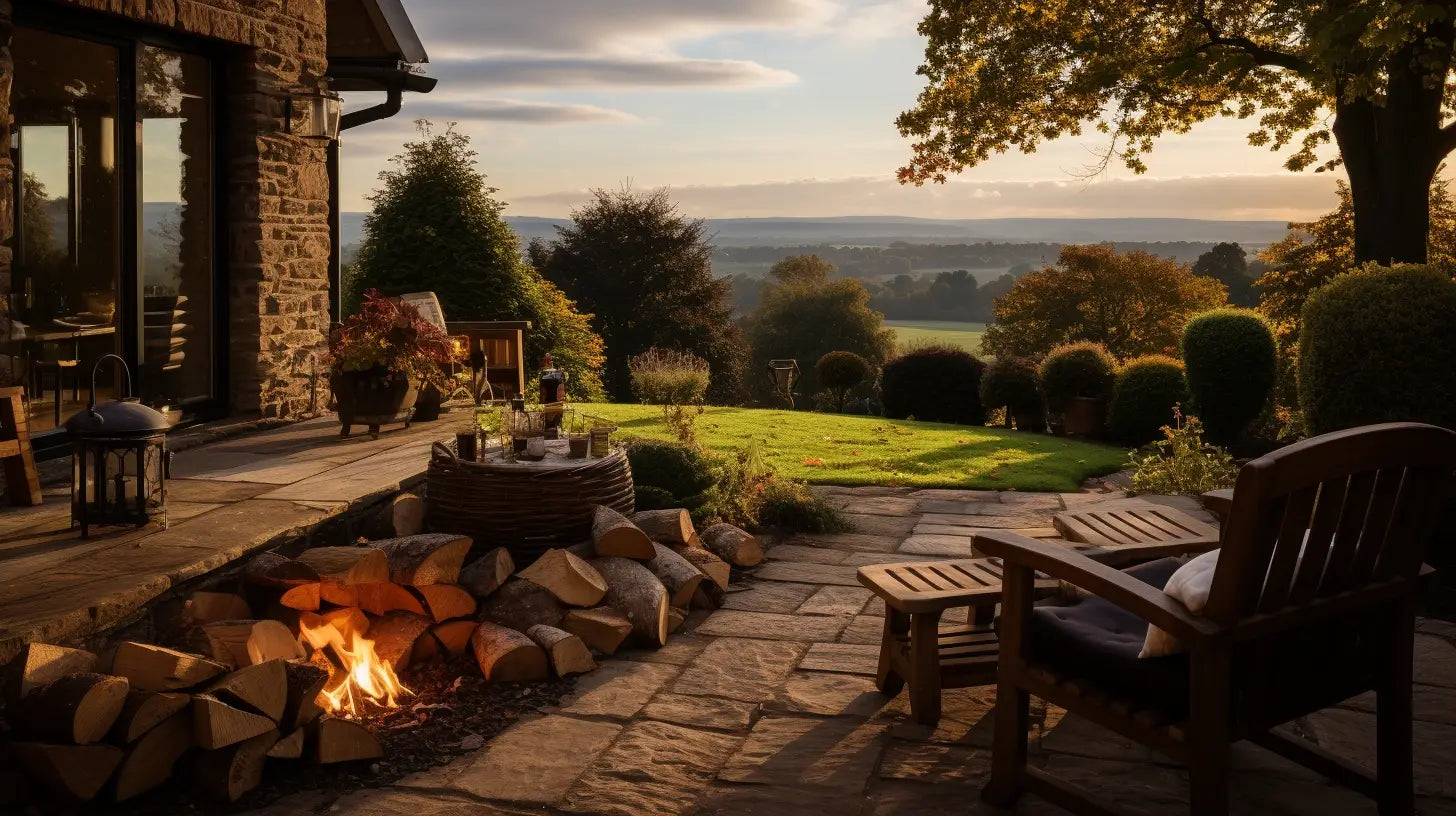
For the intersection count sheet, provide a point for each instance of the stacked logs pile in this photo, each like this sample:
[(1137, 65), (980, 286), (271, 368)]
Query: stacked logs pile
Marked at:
[(265, 652)]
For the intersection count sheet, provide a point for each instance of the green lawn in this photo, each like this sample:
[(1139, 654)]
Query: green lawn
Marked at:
[(850, 450), (919, 332)]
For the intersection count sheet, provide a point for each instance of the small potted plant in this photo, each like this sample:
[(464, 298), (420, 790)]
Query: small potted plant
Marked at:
[(380, 359)]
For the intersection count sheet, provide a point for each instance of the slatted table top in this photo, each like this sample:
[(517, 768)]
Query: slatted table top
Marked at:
[(927, 586), (1137, 533)]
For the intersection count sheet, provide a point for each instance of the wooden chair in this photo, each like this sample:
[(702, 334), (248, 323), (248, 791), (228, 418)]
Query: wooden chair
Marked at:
[(1312, 602)]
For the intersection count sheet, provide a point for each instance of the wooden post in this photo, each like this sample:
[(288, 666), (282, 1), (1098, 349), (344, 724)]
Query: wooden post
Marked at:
[(22, 482)]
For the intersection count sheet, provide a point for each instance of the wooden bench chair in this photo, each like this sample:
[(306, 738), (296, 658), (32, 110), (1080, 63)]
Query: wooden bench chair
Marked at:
[(1312, 602)]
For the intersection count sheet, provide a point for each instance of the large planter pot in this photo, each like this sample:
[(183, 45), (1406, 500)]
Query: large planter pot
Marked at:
[(1084, 417), (373, 398), (430, 404)]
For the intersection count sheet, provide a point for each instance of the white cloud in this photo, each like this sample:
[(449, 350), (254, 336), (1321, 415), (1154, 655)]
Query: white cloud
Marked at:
[(611, 71), (878, 19), (445, 109)]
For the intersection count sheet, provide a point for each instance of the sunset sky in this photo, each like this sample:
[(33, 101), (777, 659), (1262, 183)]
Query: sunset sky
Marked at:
[(762, 108)]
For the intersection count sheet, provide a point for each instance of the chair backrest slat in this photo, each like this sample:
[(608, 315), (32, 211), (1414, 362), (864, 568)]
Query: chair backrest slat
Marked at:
[(1330, 514)]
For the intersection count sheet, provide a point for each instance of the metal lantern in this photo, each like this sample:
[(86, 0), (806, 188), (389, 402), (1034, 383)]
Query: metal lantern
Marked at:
[(784, 374), (119, 460)]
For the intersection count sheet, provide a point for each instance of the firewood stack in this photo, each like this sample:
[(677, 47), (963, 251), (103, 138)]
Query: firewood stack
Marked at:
[(269, 653)]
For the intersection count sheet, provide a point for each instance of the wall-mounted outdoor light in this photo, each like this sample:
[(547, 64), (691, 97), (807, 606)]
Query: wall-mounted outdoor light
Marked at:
[(315, 115)]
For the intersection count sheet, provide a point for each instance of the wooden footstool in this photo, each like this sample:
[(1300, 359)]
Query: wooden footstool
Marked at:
[(916, 649)]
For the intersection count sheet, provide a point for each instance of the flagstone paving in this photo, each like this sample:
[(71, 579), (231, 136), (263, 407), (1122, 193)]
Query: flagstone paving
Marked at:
[(768, 706)]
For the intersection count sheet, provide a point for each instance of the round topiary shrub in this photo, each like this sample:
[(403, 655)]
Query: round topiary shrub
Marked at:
[(839, 371), (1143, 398), (1014, 384), (672, 468), (934, 384), (1077, 370), (1377, 346), (1230, 358)]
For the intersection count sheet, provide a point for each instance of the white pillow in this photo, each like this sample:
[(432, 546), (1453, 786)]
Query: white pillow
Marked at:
[(1189, 586)]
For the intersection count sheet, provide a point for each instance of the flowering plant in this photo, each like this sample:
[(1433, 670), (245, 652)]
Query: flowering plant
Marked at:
[(390, 334)]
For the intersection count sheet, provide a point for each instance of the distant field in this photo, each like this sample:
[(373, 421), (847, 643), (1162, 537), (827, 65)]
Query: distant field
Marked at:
[(919, 332)]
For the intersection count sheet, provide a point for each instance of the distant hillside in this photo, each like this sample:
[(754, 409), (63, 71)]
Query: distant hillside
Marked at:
[(867, 231)]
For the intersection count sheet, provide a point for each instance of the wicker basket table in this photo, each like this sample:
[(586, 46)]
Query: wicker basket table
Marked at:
[(526, 507)]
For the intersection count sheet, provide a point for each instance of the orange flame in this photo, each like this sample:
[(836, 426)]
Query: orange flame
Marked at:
[(364, 675)]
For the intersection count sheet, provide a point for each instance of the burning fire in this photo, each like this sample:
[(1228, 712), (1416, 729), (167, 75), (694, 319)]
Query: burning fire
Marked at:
[(356, 672)]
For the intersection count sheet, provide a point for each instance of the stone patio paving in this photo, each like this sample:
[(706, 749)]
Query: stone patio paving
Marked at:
[(768, 706)]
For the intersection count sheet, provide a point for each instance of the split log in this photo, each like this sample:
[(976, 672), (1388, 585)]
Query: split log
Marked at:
[(154, 668), (77, 709), (716, 569), (447, 601), (338, 594), (565, 651), (454, 636), (304, 681), (216, 724), (421, 560), (149, 762), (243, 643), (586, 551), (573, 581), (602, 628), (426, 649), (506, 655), (402, 516), (279, 571), (383, 598), (71, 772), (229, 773), (317, 632), (485, 575), (338, 740), (40, 664), (709, 596), (666, 526), (733, 545), (143, 711), (210, 607), (676, 573), (289, 747), (614, 536), (519, 605), (348, 565), (394, 637), (261, 688), (675, 618), (348, 622), (304, 598), (633, 590)]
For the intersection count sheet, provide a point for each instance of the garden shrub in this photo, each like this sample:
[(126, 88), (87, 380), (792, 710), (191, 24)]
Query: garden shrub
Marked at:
[(1144, 397), (1230, 358), (934, 384), (654, 498), (839, 371), (682, 472), (1377, 346), (1182, 463), (676, 380), (1014, 384), (1077, 370), (792, 505)]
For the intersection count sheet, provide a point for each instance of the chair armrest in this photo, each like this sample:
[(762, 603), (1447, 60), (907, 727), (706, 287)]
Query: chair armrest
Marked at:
[(1144, 600), (1219, 503)]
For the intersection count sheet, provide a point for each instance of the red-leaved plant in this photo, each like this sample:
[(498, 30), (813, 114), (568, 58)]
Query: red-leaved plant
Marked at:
[(391, 335)]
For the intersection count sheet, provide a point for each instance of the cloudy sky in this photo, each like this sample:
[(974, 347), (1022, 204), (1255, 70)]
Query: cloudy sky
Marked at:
[(762, 108)]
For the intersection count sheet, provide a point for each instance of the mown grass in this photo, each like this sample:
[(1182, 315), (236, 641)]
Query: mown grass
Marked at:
[(852, 450), (922, 332)]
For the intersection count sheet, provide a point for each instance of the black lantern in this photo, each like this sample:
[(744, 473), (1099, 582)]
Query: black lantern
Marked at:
[(119, 460), (784, 374)]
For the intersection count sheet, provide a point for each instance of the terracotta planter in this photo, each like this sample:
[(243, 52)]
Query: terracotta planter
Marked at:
[(368, 398), (1084, 417)]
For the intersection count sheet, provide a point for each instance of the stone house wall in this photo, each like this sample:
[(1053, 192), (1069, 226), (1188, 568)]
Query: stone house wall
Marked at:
[(277, 251)]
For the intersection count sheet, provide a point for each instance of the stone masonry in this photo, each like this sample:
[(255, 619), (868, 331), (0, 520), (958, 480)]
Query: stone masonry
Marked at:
[(277, 251)]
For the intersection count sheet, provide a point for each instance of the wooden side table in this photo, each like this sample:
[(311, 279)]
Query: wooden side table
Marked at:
[(916, 649), (1138, 532)]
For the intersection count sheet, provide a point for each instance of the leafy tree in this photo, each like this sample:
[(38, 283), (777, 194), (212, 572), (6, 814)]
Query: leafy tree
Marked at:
[(1012, 75), (642, 268), (1133, 304), (1229, 264), (805, 316), (840, 371), (435, 227)]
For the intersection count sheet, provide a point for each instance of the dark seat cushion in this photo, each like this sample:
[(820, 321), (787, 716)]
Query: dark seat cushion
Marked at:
[(1098, 640)]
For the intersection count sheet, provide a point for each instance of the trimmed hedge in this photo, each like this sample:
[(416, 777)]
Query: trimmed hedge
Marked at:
[(1230, 358), (669, 469), (1377, 345), (1014, 384), (839, 371), (934, 384), (1077, 370), (1143, 398)]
